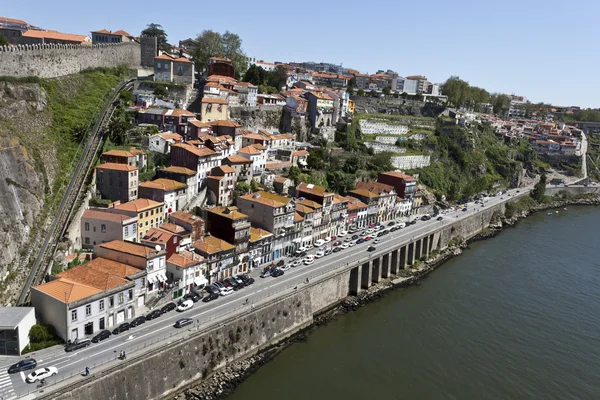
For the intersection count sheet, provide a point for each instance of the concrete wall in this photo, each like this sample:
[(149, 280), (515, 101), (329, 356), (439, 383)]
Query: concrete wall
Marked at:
[(571, 190), (149, 50), (54, 60)]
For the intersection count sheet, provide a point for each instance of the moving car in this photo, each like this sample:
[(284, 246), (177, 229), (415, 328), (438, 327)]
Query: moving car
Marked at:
[(121, 328), (185, 305), (345, 245), (464, 209), (352, 244), (376, 241), (440, 218), (276, 272), (168, 307), (137, 321), (371, 248), (23, 365), (77, 344), (41, 373), (154, 314), (180, 323), (226, 291), (105, 334)]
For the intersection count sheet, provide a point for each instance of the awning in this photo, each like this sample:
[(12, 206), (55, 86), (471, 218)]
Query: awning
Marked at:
[(161, 277), (200, 280), (151, 279)]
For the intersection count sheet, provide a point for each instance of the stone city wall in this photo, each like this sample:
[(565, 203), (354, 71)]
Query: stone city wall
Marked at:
[(54, 60)]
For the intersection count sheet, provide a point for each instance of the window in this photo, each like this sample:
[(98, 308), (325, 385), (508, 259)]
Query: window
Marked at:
[(126, 231), (130, 294), (146, 214), (74, 315), (101, 305), (87, 240), (103, 228), (121, 298), (88, 310), (143, 282), (158, 65), (141, 224), (111, 301), (87, 226)]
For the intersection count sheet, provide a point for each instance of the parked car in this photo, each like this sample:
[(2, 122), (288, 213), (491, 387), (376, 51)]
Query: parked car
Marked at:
[(153, 314), (212, 293), (226, 291), (105, 334), (168, 307), (349, 239), (380, 234), (327, 252), (77, 344), (233, 283), (402, 225), (266, 273), (440, 218), (23, 365), (385, 232), (327, 239), (247, 280), (219, 285), (370, 230), (280, 263), (181, 322), (285, 267), (342, 233), (308, 261), (185, 305), (276, 272), (137, 321), (338, 243), (368, 238), (239, 280), (425, 217), (371, 248), (345, 245), (359, 241), (338, 249), (121, 328), (193, 295), (319, 254), (355, 237), (226, 284), (41, 373), (351, 244), (391, 224), (414, 221)]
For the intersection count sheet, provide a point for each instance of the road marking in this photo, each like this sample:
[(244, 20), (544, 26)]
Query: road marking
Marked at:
[(23, 376)]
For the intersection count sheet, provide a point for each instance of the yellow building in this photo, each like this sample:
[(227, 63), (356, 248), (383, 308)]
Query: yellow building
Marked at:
[(351, 106), (214, 109), (150, 213)]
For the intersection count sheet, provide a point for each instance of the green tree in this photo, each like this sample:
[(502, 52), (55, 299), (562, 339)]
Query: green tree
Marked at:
[(353, 164), (278, 77), (350, 90), (254, 186), (381, 162), (373, 93), (361, 93), (352, 82), (340, 182), (41, 333), (214, 44), (539, 190), (3, 40), (241, 189), (160, 91), (256, 75), (317, 159), (127, 97), (118, 127), (386, 91), (294, 173), (160, 34)]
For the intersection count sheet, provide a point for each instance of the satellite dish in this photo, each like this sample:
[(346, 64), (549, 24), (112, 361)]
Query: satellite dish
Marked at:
[(157, 247)]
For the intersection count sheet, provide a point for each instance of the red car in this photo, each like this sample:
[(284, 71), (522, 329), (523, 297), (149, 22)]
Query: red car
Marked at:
[(368, 238), (338, 243), (333, 238)]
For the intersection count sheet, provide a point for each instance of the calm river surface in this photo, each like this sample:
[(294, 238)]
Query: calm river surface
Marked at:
[(514, 317)]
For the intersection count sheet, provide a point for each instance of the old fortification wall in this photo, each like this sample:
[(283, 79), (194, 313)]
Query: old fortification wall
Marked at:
[(259, 117), (54, 60)]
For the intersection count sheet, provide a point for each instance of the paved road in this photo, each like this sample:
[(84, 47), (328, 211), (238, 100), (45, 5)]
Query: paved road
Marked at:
[(158, 332)]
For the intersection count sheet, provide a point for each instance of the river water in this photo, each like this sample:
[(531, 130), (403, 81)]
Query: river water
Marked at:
[(514, 317)]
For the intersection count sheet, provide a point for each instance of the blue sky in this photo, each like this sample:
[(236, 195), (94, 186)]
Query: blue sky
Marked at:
[(544, 50)]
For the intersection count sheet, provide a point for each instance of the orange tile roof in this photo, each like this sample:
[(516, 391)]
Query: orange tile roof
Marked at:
[(139, 205), (173, 228), (298, 217), (166, 185), (56, 36), (258, 146), (183, 262), (339, 199), (117, 167), (122, 33), (213, 100), (85, 275), (280, 179), (223, 169), (235, 159), (14, 21), (135, 249), (251, 150), (363, 192), (180, 170), (157, 236), (185, 217), (199, 124), (375, 187), (198, 152), (66, 291), (118, 153), (135, 151), (397, 174), (355, 204), (231, 212), (299, 153), (313, 189), (113, 267), (171, 136), (178, 112), (102, 215), (225, 123), (266, 198), (212, 245), (258, 234)]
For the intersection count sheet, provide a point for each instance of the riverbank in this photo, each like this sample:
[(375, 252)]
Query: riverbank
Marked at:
[(224, 382)]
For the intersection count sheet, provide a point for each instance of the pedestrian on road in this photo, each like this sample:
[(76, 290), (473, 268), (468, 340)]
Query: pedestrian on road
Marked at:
[(87, 371)]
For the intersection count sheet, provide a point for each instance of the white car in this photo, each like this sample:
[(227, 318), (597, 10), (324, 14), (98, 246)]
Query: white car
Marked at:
[(186, 305), (352, 244), (296, 263), (308, 261), (319, 254), (327, 239), (225, 291), (370, 230), (348, 239), (285, 267), (42, 373), (319, 243), (402, 225), (342, 233), (376, 241), (345, 245), (309, 257)]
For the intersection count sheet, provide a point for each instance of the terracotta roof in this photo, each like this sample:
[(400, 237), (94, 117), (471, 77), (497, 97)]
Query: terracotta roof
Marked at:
[(118, 153), (122, 33), (182, 262), (222, 170), (225, 123), (56, 36), (219, 59), (198, 152), (180, 170), (166, 185), (363, 193), (178, 112), (173, 228), (199, 124), (375, 187), (304, 209), (299, 153), (258, 234), (92, 277), (171, 136), (248, 84), (278, 164), (185, 217), (139, 205), (135, 151), (416, 77), (355, 204), (102, 215), (235, 159), (67, 291), (13, 21), (135, 249), (255, 136), (102, 31), (258, 146), (298, 217), (266, 198), (251, 150), (117, 167), (212, 245), (313, 189), (309, 203), (213, 100), (339, 199), (397, 174), (231, 212), (281, 179), (157, 236), (113, 267)]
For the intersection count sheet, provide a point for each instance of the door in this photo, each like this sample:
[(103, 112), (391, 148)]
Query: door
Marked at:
[(88, 329), (74, 335), (120, 316), (141, 301), (111, 319), (129, 312), (101, 323)]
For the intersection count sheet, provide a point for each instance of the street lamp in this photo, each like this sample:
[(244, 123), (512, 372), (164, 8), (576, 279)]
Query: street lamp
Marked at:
[(66, 317)]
